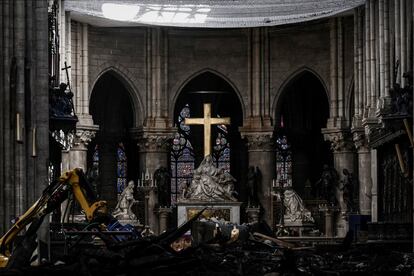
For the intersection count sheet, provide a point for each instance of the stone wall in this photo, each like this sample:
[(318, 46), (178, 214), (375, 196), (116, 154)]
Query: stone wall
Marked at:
[(122, 50), (187, 53), (192, 52), (24, 91), (156, 63), (294, 49)]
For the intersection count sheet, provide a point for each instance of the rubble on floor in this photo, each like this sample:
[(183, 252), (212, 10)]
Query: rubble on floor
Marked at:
[(253, 252)]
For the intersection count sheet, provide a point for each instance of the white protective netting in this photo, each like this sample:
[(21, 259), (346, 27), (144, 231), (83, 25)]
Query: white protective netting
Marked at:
[(207, 14)]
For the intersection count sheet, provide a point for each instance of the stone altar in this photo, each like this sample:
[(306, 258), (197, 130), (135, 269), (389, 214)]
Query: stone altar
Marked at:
[(228, 211), (211, 187)]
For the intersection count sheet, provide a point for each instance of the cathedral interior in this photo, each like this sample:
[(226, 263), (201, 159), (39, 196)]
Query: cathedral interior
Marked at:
[(207, 137)]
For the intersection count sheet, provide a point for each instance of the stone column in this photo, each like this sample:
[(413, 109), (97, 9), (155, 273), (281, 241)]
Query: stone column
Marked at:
[(372, 60), (384, 100), (364, 172), (163, 214), (76, 157), (344, 156), (343, 149), (333, 67), (153, 150), (374, 188), (154, 146), (329, 219), (261, 154), (78, 153)]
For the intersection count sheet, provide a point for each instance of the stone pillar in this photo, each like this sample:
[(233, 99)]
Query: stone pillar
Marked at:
[(333, 67), (261, 154), (78, 154), (370, 125), (344, 156), (163, 214), (76, 157), (374, 188), (384, 101), (154, 146), (329, 220), (364, 173)]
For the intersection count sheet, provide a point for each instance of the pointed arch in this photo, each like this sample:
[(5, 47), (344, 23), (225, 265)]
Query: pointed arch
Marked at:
[(133, 93), (301, 111), (198, 73), (294, 75), (206, 86), (113, 106)]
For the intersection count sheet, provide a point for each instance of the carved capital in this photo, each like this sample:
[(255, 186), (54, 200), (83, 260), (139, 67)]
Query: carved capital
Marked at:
[(341, 140), (259, 141), (84, 136), (370, 125), (155, 143), (153, 139), (360, 140)]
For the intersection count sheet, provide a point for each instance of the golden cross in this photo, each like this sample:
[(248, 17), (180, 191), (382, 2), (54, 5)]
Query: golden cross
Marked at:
[(207, 121)]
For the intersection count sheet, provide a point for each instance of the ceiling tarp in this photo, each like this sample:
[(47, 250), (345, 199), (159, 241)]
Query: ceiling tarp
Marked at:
[(203, 13)]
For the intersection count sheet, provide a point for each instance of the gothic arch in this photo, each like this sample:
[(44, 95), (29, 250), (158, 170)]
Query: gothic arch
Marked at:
[(279, 95), (196, 74), (303, 107), (123, 75), (115, 108), (188, 144)]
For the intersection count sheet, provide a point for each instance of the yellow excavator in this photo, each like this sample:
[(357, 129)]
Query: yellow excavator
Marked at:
[(73, 181)]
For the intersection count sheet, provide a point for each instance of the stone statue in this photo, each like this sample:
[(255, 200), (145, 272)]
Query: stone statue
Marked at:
[(210, 184), (348, 184), (327, 184), (60, 102), (253, 177), (402, 98), (163, 181), (123, 209), (294, 208)]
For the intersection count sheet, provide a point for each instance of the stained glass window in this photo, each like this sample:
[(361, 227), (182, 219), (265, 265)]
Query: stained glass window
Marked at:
[(182, 157), (283, 161), (221, 149), (121, 172), (121, 168)]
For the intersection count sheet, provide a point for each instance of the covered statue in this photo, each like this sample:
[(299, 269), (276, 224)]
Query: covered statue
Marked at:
[(295, 209), (210, 184)]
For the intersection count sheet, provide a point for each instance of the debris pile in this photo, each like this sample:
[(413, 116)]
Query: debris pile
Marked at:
[(359, 260), (221, 249)]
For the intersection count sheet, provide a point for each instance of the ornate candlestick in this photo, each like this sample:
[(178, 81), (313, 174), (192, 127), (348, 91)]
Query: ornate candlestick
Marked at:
[(146, 185)]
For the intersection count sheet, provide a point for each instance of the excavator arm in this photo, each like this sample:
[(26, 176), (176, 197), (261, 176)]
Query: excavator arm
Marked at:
[(50, 200), (76, 179)]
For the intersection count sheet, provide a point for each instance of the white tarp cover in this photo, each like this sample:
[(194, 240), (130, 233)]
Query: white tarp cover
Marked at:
[(205, 14)]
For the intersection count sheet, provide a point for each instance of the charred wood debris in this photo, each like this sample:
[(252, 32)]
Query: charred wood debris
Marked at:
[(216, 249)]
